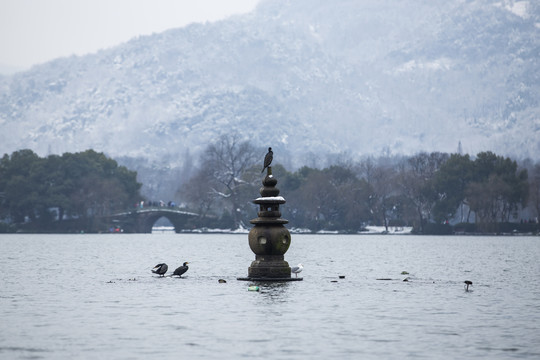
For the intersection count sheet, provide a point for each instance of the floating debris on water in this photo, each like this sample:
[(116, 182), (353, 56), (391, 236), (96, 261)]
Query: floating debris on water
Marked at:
[(253, 288), (342, 276), (404, 273), (222, 281)]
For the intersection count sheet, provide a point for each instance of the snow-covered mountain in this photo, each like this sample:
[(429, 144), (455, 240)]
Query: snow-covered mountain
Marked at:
[(303, 76)]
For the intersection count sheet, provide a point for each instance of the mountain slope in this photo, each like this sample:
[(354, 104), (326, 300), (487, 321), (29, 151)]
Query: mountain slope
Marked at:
[(305, 77)]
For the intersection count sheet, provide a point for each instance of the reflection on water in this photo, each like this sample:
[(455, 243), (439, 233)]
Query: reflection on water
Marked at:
[(273, 292), (94, 296)]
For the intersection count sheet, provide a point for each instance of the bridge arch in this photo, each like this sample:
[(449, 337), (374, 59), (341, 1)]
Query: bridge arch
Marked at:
[(142, 220), (162, 224), (149, 220)]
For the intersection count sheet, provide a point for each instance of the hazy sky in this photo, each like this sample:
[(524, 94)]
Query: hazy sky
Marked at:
[(35, 31)]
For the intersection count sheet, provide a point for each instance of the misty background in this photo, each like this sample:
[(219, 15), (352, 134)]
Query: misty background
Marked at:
[(314, 80)]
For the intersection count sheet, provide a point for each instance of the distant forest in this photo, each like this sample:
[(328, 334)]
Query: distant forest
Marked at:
[(435, 193), (432, 192)]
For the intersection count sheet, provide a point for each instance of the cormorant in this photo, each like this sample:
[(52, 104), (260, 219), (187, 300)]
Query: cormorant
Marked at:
[(297, 269), (160, 269), (182, 269), (268, 159)]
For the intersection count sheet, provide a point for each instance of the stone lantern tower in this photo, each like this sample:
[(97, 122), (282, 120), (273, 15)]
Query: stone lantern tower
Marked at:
[(269, 239)]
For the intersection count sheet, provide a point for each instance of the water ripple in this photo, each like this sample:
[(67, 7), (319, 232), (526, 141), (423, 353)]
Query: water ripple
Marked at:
[(77, 303)]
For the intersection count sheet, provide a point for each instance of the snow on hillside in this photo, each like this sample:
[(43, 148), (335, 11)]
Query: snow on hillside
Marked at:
[(308, 77)]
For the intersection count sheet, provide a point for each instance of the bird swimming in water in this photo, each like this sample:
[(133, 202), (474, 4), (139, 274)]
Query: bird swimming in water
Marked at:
[(268, 159), (182, 269), (297, 269), (467, 284), (160, 269)]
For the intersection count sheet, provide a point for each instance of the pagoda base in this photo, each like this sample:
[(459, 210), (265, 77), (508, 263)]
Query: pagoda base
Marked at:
[(267, 268)]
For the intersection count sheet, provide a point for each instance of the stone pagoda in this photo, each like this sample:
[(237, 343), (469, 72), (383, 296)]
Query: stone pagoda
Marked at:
[(269, 239)]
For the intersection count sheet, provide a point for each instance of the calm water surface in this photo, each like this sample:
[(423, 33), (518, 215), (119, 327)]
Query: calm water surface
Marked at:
[(94, 297)]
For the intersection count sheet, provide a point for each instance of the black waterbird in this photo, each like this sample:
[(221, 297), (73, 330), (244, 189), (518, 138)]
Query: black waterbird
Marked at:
[(160, 269), (268, 159), (182, 269)]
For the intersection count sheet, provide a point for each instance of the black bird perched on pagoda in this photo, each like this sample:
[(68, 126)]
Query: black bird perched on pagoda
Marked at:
[(268, 159), (160, 269), (182, 269)]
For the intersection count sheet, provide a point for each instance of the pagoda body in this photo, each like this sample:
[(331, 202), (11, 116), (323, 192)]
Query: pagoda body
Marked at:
[(269, 239)]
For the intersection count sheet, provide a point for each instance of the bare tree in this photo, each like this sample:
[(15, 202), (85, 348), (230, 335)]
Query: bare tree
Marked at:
[(383, 193), (228, 162), (416, 180), (196, 192), (381, 181)]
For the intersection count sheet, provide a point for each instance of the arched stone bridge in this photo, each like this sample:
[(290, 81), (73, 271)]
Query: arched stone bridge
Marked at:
[(142, 220)]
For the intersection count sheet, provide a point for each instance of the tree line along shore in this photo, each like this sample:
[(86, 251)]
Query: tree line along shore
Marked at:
[(434, 193)]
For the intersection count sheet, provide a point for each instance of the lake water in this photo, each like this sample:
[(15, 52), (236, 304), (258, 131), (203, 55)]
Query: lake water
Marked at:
[(94, 297)]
